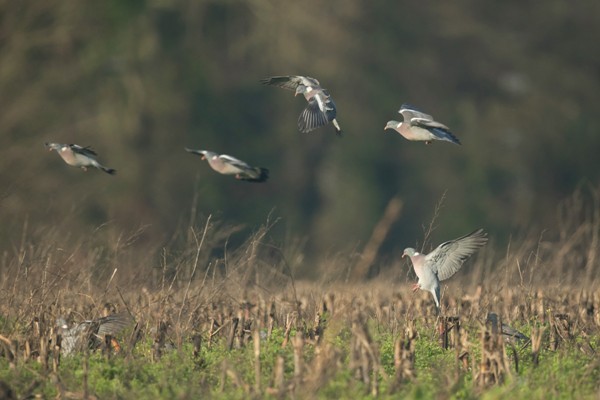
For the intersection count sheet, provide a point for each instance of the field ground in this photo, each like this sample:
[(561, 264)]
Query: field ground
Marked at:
[(240, 326), (350, 342)]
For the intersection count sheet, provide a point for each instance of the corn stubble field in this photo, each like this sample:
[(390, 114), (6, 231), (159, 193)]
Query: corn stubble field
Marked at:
[(206, 321)]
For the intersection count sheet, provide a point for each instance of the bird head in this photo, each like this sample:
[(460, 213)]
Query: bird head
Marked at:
[(392, 125), (202, 153), (53, 146), (61, 324), (410, 252)]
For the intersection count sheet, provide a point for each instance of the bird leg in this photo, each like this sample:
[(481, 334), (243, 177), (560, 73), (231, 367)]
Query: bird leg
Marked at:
[(415, 287)]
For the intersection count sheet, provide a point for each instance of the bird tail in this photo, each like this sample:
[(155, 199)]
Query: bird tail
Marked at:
[(110, 171), (257, 175), (437, 298), (102, 167), (444, 134), (263, 174), (338, 130)]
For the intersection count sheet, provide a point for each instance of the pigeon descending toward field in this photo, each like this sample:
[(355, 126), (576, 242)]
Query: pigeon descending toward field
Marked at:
[(418, 126), (78, 156), (320, 109), (90, 332), (228, 165), (444, 261)]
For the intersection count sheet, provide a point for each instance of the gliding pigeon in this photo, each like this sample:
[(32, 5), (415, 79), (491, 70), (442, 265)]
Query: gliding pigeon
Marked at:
[(418, 126), (78, 156), (228, 165)]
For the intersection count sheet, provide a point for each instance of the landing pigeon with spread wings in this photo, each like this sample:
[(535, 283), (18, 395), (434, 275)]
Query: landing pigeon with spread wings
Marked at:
[(444, 261)]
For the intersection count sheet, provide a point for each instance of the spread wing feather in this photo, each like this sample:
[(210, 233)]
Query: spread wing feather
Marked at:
[(449, 256)]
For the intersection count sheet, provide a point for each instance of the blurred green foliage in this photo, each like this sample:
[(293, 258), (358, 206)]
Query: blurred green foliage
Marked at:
[(517, 82)]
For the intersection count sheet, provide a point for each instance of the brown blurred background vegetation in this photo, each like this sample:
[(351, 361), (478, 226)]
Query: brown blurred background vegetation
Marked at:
[(517, 82)]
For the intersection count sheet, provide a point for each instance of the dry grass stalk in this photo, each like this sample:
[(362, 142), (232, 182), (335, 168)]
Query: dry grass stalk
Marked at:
[(57, 340), (197, 342), (44, 354), (85, 375), (277, 387), (7, 345), (318, 371), (329, 303), (364, 355), (318, 327), (404, 357), (159, 340), (256, 341), (560, 330), (494, 365), (107, 348), (234, 324), (236, 378), (449, 331), (135, 337), (211, 331), (298, 345), (290, 319), (463, 352), (271, 320)]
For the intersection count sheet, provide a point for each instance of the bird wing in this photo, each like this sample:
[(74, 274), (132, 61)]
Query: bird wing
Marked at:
[(86, 151), (449, 256), (427, 123), (313, 117), (409, 112), (440, 131), (234, 162), (113, 324), (290, 82)]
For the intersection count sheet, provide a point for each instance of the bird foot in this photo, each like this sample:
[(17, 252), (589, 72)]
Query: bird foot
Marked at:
[(415, 287), (428, 142)]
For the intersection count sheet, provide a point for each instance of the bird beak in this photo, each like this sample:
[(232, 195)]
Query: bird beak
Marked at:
[(403, 255), (203, 157)]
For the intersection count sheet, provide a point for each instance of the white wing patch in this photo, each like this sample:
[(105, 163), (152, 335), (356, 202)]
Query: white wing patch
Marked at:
[(320, 103)]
